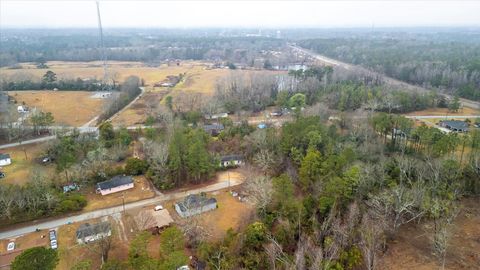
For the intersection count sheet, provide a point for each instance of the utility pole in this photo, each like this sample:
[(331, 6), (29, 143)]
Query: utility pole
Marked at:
[(102, 48)]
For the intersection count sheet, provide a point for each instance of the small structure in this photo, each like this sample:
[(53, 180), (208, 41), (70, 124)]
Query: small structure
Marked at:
[(153, 221), (276, 113), (116, 184), (87, 233), (262, 126), (5, 159), (213, 129), (231, 161), (215, 116), (195, 204), (22, 109), (454, 125), (70, 187)]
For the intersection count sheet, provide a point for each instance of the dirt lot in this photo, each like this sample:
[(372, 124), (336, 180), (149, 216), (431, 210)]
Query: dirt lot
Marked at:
[(21, 243), (141, 190), (21, 168), (412, 248), (72, 108)]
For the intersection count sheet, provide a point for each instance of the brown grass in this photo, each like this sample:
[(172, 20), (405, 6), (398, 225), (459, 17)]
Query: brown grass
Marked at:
[(72, 108), (21, 168), (445, 111)]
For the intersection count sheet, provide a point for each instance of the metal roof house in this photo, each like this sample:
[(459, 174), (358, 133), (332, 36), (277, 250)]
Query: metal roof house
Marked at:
[(454, 125), (5, 160), (231, 161), (213, 129), (87, 233), (195, 204), (116, 184)]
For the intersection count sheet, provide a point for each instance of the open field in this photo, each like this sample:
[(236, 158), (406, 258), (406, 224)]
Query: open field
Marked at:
[(141, 190), (445, 112), (22, 167), (412, 249), (72, 108)]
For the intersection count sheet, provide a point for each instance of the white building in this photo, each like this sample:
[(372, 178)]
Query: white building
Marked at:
[(5, 160)]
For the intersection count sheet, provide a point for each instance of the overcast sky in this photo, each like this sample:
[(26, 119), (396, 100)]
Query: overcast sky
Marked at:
[(239, 13)]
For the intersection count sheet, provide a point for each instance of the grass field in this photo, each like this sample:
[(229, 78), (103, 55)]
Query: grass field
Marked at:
[(444, 111), (22, 167), (71, 108)]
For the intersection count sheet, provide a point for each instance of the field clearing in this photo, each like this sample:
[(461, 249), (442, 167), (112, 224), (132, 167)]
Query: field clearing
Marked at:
[(19, 171), (141, 190), (71, 108), (412, 249), (444, 111)]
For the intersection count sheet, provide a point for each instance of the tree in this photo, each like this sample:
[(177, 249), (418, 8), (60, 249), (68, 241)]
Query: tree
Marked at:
[(107, 134), (138, 257), (169, 102), (298, 102), (40, 120), (454, 105), (37, 258), (49, 77), (171, 249), (135, 166), (310, 168), (82, 265)]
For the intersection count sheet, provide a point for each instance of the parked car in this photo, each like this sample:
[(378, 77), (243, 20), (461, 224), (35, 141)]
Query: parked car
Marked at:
[(11, 246), (53, 235), (2, 175), (46, 160), (53, 244), (158, 208)]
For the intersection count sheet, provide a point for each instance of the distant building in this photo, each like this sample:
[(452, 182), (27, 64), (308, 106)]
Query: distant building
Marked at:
[(116, 184), (22, 109), (195, 204), (70, 187), (5, 160), (87, 233), (215, 116), (213, 129), (454, 125), (231, 161)]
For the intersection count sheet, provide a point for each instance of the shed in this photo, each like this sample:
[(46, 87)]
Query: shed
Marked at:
[(87, 233), (116, 184), (5, 159), (195, 204)]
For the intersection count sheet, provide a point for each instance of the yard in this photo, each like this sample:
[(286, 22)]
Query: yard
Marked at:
[(71, 108), (24, 163)]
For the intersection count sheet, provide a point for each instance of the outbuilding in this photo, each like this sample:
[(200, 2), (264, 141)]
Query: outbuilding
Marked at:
[(116, 184), (5, 160), (231, 161)]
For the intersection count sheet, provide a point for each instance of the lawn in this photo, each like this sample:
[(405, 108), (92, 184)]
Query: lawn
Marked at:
[(23, 166), (71, 108)]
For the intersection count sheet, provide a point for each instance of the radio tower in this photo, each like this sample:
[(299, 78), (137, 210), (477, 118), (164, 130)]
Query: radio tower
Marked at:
[(105, 83)]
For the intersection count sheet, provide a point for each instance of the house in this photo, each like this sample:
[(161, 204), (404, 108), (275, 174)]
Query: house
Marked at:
[(231, 161), (87, 233), (153, 221), (116, 184), (215, 116), (213, 129), (5, 159), (195, 204), (454, 125), (22, 109)]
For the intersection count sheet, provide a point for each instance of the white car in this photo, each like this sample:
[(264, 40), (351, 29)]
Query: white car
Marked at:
[(158, 208), (10, 246), (53, 244)]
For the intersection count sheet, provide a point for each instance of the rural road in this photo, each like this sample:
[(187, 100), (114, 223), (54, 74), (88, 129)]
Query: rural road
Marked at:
[(441, 116), (388, 80), (142, 89), (115, 210)]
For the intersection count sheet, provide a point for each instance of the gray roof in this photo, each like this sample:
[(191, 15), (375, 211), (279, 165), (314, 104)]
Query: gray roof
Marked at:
[(4, 156), (195, 201), (455, 124), (116, 181), (86, 229), (213, 127), (231, 157)]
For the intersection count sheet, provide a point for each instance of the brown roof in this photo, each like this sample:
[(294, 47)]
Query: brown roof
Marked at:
[(149, 218)]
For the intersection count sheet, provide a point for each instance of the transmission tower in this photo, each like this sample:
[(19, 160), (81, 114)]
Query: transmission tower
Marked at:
[(105, 82)]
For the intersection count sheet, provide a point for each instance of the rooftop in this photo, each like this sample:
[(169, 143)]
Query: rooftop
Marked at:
[(195, 201), (116, 181), (231, 157), (213, 127), (455, 124), (88, 229), (4, 156)]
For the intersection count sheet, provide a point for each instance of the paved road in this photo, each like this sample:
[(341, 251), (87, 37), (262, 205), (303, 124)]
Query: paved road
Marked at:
[(441, 116), (114, 210), (388, 80)]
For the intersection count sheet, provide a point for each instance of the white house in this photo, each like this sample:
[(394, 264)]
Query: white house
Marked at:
[(231, 161), (87, 233), (5, 160), (195, 204), (116, 184)]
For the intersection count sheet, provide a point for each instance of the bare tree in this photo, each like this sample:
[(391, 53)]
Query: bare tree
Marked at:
[(259, 189), (371, 239)]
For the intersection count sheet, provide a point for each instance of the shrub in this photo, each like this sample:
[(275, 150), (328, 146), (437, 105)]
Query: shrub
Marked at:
[(135, 166)]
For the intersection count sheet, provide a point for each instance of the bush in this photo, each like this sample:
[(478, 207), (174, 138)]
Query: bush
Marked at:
[(135, 166), (37, 258)]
